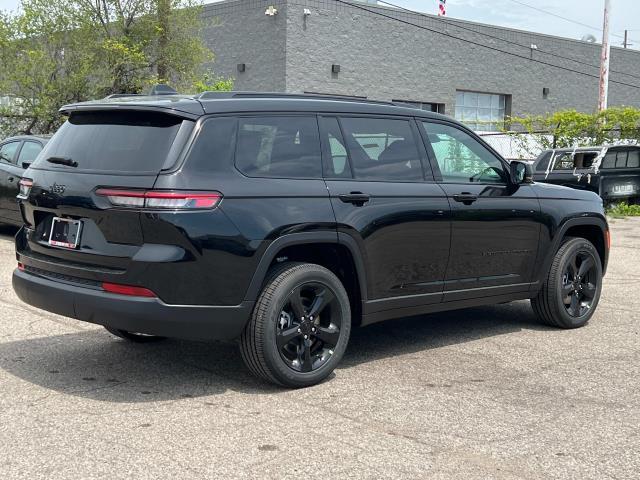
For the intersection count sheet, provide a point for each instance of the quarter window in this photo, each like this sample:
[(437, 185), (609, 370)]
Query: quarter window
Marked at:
[(461, 158), (284, 147), (337, 166), (8, 151), (382, 149)]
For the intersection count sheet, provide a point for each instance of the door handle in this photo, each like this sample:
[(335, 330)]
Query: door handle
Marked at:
[(465, 197), (356, 198), (11, 179)]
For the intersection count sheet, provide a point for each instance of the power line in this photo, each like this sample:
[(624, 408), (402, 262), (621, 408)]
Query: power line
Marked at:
[(506, 52), (561, 17), (528, 47)]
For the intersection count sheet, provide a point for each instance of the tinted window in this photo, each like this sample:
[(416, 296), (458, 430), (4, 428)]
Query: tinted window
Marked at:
[(621, 159), (29, 152), (543, 163), (337, 165), (461, 158), (285, 147), (8, 151), (609, 160), (381, 149), (123, 142), (214, 145), (634, 159)]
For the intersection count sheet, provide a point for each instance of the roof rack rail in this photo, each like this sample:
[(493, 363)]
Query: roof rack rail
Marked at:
[(123, 95), (320, 96)]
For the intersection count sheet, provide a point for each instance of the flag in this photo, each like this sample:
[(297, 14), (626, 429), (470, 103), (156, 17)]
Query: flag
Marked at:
[(442, 8)]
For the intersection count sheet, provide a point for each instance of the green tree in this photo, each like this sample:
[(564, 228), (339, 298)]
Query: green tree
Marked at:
[(55, 52), (570, 128)]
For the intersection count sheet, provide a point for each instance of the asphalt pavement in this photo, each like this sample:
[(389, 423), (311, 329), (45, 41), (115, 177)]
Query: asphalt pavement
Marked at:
[(474, 394)]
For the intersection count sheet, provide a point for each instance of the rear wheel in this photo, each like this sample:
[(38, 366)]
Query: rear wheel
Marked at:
[(571, 291), (134, 337), (299, 328)]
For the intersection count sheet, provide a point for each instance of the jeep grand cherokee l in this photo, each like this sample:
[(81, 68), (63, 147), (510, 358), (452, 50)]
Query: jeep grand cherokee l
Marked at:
[(284, 220)]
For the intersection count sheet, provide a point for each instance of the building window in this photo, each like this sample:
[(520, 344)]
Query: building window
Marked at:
[(428, 106), (481, 111)]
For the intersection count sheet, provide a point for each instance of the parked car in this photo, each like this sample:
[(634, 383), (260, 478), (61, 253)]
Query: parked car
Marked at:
[(16, 155), (285, 220), (613, 172)]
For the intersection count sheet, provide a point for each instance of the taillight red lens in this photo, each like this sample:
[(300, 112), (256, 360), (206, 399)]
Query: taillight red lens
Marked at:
[(127, 290), (160, 199), (21, 266)]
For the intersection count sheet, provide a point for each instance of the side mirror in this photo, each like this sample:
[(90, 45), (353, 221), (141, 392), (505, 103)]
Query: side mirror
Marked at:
[(521, 172)]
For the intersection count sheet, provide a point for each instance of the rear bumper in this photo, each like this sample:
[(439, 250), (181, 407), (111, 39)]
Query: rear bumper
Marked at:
[(134, 314)]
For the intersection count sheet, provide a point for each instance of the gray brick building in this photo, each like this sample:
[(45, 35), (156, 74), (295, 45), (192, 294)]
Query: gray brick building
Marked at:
[(473, 71)]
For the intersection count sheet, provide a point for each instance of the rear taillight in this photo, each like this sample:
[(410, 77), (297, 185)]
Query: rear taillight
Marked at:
[(160, 199), (21, 266), (128, 290), (25, 187)]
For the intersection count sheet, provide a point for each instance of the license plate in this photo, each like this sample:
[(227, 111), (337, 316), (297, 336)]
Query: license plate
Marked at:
[(623, 189), (65, 232)]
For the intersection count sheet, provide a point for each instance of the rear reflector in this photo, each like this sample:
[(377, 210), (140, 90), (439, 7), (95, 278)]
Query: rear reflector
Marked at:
[(20, 267), (607, 236), (127, 290), (159, 199)]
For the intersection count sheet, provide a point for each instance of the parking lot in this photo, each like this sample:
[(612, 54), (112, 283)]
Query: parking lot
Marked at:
[(480, 393)]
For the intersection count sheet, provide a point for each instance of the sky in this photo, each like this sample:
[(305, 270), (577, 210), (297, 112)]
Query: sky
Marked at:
[(514, 13)]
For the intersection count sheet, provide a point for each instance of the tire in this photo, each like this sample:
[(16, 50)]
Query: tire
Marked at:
[(297, 343), (134, 337), (571, 291)]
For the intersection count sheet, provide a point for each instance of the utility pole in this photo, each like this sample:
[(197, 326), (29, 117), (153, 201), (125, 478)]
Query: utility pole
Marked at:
[(604, 59), (164, 11), (626, 39)]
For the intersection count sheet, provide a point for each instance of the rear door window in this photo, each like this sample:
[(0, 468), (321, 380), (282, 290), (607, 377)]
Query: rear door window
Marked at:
[(382, 149), (29, 152), (8, 151), (279, 147), (114, 142), (634, 159)]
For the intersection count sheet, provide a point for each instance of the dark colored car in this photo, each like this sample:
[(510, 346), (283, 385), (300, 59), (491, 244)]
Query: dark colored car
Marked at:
[(613, 172), (284, 220), (16, 155)]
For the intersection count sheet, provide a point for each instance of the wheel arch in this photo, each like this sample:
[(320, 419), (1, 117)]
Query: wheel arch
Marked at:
[(594, 229), (337, 252)]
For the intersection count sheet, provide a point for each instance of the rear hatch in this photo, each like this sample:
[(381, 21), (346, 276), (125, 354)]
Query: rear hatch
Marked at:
[(73, 231)]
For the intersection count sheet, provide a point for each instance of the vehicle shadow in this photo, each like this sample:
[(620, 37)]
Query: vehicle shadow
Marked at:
[(8, 231), (94, 364)]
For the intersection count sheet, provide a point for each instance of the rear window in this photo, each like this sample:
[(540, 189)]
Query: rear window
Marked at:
[(114, 142), (621, 159)]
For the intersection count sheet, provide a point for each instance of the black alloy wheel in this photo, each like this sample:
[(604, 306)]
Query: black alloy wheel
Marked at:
[(300, 326), (571, 290), (309, 327), (579, 283)]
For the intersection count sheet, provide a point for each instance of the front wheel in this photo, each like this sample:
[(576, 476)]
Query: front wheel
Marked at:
[(571, 291), (299, 328)]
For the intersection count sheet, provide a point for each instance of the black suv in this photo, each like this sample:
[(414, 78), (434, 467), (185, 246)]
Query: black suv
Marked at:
[(284, 220)]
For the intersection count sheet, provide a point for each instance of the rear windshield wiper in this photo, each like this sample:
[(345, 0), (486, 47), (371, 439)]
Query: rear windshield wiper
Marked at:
[(62, 161)]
